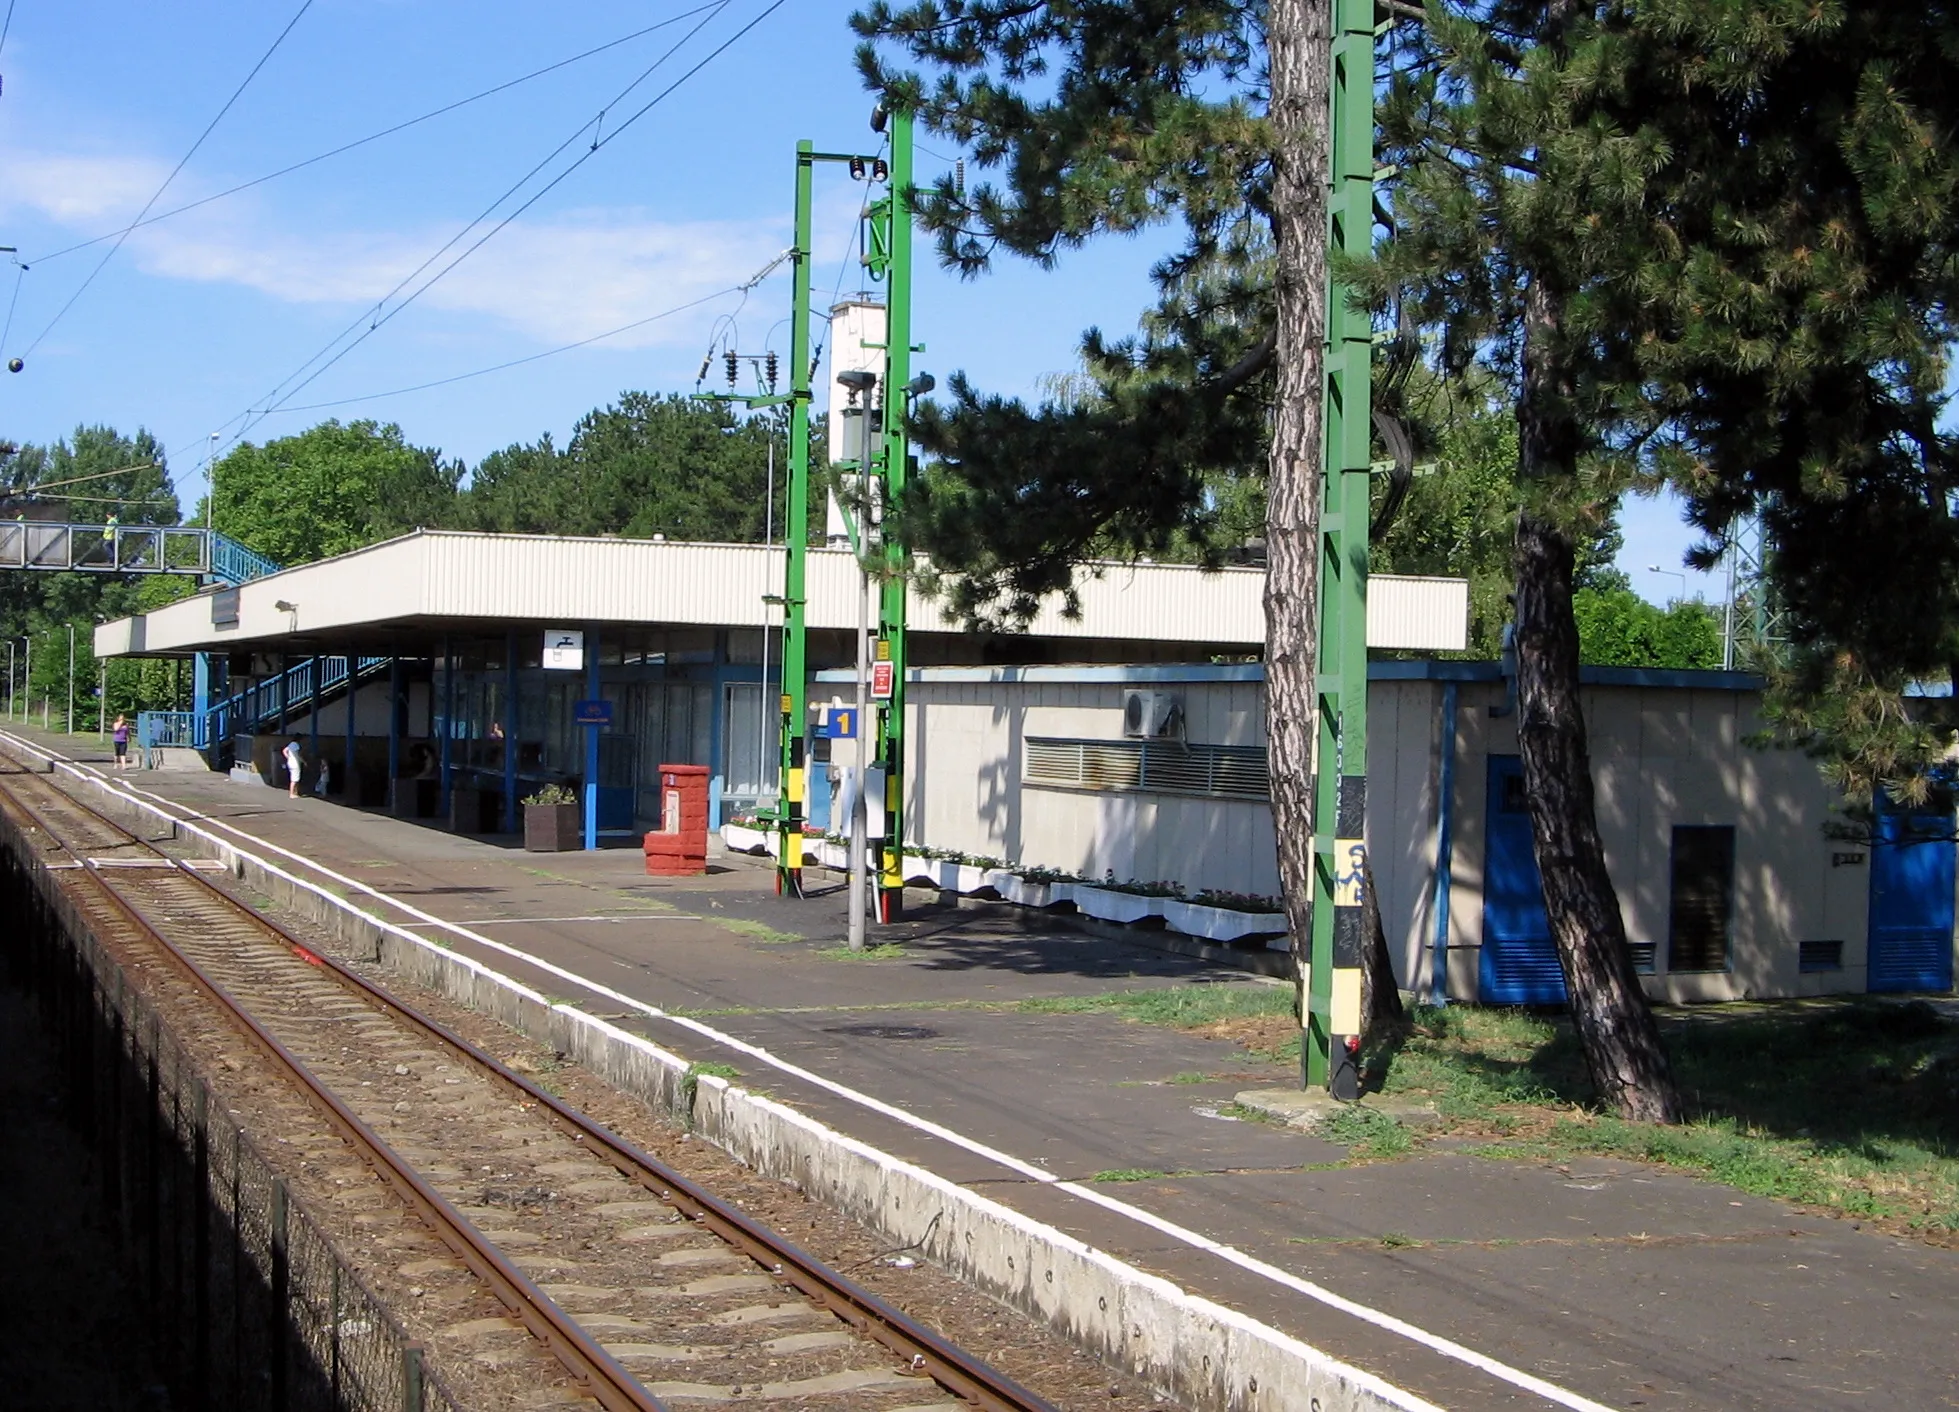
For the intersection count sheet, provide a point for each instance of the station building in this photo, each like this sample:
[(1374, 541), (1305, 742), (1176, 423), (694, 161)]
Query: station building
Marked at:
[(414, 672)]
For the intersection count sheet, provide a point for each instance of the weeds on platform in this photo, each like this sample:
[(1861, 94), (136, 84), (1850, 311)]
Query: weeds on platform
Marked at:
[(1366, 1133), (1258, 1016), (754, 931), (882, 951), (1850, 1104), (1128, 1174)]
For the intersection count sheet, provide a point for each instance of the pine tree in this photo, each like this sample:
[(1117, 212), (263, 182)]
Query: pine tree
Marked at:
[(1800, 340), (1107, 119)]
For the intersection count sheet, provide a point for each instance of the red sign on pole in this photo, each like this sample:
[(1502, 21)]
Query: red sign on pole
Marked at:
[(880, 681)]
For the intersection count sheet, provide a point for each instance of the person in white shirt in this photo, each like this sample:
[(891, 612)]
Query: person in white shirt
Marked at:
[(295, 762)]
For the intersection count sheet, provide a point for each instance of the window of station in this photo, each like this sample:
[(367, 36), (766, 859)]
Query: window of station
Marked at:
[(1701, 913)]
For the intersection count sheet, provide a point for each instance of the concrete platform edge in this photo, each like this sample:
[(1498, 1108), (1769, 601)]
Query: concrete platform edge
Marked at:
[(1212, 1358)]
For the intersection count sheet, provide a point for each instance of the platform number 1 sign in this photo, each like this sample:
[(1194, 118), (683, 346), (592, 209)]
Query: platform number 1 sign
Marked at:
[(564, 649)]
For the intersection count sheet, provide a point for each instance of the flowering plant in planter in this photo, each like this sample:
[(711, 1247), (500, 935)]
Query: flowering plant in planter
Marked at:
[(1239, 901), (551, 820)]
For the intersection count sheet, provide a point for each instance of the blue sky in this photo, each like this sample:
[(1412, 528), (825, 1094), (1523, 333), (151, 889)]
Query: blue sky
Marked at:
[(198, 318)]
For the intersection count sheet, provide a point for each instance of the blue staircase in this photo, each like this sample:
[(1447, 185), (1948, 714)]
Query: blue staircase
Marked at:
[(235, 564), (258, 707)]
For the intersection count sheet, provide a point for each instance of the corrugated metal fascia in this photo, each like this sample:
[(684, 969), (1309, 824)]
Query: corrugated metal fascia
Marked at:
[(601, 580), (1419, 614)]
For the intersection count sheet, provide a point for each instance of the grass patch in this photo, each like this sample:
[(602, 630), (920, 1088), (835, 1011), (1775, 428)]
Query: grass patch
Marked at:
[(690, 1082), (883, 951), (1365, 1132), (1128, 1174), (1851, 1104), (754, 931), (1258, 1016)]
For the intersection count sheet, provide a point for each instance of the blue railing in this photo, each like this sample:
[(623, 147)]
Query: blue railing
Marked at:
[(293, 690), (258, 706), (234, 563), (160, 730)]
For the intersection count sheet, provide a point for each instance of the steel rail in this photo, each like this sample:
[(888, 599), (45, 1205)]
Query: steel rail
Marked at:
[(954, 1370), (601, 1375)]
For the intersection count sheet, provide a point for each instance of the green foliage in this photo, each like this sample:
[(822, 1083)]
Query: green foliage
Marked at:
[(1366, 1132), (646, 465), (1802, 342), (1621, 629), (330, 489), (105, 473), (1089, 122)]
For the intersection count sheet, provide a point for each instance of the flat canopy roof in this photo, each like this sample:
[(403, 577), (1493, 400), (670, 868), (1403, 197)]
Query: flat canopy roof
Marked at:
[(400, 596)]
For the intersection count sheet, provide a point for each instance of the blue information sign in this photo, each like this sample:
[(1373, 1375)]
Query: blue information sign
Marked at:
[(842, 723), (592, 713)]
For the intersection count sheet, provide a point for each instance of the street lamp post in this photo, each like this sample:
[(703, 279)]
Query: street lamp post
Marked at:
[(71, 678), (1671, 573)]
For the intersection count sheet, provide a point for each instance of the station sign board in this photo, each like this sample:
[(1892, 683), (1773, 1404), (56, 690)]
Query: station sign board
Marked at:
[(881, 681), (591, 713), (564, 649)]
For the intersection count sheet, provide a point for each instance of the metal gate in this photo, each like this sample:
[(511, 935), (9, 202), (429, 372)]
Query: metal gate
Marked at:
[(1519, 963), (1911, 901)]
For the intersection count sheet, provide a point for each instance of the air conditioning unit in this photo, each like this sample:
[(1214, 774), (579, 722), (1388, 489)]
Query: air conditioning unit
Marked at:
[(1150, 715)]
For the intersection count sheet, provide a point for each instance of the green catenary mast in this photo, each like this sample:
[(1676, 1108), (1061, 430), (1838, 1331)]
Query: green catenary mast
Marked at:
[(1333, 987)]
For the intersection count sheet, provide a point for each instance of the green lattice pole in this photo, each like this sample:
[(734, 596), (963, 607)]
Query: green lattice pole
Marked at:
[(1340, 762)]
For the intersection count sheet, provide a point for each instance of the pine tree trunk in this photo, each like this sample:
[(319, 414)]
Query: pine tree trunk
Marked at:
[(1299, 38), (1615, 1026)]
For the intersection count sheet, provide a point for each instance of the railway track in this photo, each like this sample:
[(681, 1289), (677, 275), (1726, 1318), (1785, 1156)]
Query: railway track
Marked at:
[(648, 1289)]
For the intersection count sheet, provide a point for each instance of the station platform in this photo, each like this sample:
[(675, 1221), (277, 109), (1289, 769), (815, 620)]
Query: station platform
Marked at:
[(1619, 1284)]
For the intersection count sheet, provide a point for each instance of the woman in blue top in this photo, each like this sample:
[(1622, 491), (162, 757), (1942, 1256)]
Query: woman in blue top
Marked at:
[(120, 733)]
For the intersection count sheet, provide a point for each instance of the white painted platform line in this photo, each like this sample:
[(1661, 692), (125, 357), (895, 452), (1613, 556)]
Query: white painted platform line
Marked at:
[(1436, 1343)]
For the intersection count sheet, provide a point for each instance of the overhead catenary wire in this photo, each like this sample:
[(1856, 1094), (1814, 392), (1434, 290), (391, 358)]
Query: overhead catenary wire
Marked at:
[(157, 195), (539, 195), (7, 27), (514, 362), (283, 393), (372, 137), (743, 288)]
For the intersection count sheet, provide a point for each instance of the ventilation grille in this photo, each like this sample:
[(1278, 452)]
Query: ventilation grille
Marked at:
[(1819, 955), (1643, 956), (1157, 766)]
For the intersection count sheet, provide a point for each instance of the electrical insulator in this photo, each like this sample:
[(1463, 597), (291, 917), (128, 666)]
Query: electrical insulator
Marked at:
[(879, 171), (959, 176), (769, 369), (856, 168), (706, 359), (734, 368)]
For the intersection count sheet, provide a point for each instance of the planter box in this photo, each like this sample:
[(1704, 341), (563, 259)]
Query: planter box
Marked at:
[(1220, 923), (1117, 906), (967, 879), (744, 838), (553, 828), (1014, 888), (921, 870)]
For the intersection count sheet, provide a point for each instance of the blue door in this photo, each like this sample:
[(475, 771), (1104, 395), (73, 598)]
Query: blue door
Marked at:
[(1911, 901), (1520, 961)]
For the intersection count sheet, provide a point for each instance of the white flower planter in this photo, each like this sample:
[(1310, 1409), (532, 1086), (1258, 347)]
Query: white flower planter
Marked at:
[(1220, 923), (1117, 906), (1014, 888), (921, 870), (744, 839), (967, 879)]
